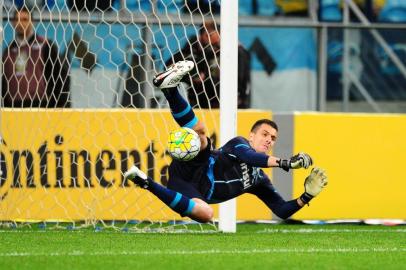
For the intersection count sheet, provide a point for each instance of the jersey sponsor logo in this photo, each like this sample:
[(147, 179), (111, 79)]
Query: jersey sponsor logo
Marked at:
[(245, 176)]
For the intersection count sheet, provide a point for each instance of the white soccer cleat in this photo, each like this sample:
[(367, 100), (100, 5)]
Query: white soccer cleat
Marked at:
[(172, 76), (315, 182), (137, 176)]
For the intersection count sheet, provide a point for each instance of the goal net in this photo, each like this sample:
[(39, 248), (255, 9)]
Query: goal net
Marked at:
[(78, 107)]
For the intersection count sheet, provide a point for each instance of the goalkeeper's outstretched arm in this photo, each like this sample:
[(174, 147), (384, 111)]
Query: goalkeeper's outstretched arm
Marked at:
[(242, 149)]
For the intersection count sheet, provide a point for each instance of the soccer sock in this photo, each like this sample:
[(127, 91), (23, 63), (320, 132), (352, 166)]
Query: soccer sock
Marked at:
[(175, 200), (180, 108), (306, 197)]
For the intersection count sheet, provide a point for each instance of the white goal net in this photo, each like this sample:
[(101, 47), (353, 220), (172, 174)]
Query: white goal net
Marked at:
[(78, 106)]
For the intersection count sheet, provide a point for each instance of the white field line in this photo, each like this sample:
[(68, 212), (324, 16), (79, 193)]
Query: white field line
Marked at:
[(197, 232), (200, 252), (332, 231)]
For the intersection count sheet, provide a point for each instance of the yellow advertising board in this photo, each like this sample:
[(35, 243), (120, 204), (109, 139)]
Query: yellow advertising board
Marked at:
[(68, 164), (363, 156)]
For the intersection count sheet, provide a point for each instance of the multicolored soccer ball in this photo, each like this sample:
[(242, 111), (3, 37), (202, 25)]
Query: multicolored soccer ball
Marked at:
[(183, 144)]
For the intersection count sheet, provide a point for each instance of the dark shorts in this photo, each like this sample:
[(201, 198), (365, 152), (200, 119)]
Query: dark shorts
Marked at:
[(190, 177)]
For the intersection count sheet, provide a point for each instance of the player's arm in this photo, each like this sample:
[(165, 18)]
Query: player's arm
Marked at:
[(274, 201), (301, 160), (241, 149), (273, 161)]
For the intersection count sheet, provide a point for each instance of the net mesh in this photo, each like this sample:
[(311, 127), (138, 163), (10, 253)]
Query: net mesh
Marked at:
[(78, 108)]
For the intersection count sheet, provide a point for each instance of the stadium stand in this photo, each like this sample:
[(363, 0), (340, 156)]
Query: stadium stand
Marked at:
[(394, 11), (330, 10)]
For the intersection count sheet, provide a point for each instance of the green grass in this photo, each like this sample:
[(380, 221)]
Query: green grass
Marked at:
[(253, 247)]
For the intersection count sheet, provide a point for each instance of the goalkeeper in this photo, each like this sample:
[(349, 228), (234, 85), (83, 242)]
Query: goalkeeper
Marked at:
[(215, 176)]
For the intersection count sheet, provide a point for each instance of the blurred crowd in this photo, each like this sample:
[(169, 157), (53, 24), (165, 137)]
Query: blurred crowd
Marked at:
[(328, 10), (26, 83)]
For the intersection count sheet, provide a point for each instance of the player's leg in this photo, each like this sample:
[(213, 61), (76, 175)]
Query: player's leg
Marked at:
[(168, 81), (202, 211), (181, 110), (194, 208)]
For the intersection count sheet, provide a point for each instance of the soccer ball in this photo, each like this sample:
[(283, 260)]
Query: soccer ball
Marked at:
[(183, 144)]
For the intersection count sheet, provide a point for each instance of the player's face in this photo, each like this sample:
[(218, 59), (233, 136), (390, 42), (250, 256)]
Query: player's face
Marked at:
[(263, 139), (23, 23), (212, 38)]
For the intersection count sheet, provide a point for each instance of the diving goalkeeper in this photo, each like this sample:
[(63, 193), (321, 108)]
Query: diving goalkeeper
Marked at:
[(215, 176)]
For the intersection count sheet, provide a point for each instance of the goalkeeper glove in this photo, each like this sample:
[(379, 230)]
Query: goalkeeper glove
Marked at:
[(315, 182), (301, 160)]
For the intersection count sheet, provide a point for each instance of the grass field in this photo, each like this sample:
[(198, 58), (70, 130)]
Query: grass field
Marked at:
[(253, 247)]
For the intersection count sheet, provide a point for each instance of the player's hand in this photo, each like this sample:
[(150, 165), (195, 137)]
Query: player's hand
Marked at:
[(301, 160), (316, 181)]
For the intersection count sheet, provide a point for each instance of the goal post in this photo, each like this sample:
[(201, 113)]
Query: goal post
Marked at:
[(228, 96), (63, 162)]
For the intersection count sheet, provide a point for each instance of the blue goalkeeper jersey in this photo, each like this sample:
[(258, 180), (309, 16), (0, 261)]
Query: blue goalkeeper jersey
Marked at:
[(235, 169), (219, 175)]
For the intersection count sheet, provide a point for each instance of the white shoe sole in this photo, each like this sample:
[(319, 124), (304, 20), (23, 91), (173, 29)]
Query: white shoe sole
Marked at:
[(133, 172), (174, 74)]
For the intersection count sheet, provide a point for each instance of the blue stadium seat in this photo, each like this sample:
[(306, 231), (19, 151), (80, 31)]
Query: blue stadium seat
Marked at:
[(387, 66), (170, 6), (139, 5), (393, 11), (60, 5), (18, 3), (397, 41), (330, 10), (245, 8), (266, 7), (162, 6), (49, 4)]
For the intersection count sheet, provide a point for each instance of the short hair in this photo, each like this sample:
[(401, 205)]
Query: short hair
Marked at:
[(209, 27), (264, 121), (21, 9)]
